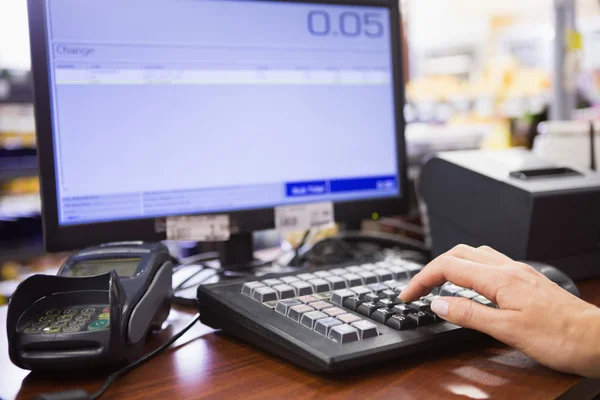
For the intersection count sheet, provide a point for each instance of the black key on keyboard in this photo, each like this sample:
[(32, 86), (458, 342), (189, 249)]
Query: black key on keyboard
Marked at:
[(403, 309), (371, 297), (352, 303), (388, 294), (401, 322), (386, 303), (419, 305), (381, 315), (422, 319), (339, 296), (366, 309)]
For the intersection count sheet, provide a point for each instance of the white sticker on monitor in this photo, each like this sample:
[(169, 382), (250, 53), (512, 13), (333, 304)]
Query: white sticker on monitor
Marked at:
[(198, 228), (304, 216)]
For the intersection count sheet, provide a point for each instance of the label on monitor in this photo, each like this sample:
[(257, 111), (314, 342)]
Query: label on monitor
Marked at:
[(198, 228), (304, 216)]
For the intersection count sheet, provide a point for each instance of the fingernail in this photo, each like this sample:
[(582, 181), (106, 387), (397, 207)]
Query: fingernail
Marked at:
[(440, 307)]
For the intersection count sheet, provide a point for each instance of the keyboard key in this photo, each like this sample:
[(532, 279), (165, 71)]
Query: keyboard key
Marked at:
[(323, 326), (306, 277), (285, 291), (354, 269), (322, 274), (334, 311), (398, 289), (367, 277), (389, 294), (482, 300), (302, 288), (264, 294), (401, 322), (271, 304), (352, 279), (320, 285), (289, 279), (344, 334), (339, 296), (377, 287), (320, 305), (284, 306), (296, 312), (392, 283), (372, 297), (422, 319), (366, 329), (352, 303), (366, 309), (249, 287), (368, 267), (307, 299), (310, 318), (400, 274), (403, 309), (429, 299), (361, 291), (381, 315), (323, 296), (272, 282), (383, 274), (412, 268), (336, 282), (384, 264), (338, 271), (450, 289), (467, 294), (386, 303), (419, 305), (348, 318)]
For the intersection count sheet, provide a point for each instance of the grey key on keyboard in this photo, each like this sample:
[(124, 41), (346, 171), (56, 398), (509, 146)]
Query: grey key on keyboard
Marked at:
[(450, 289), (306, 277), (338, 296), (320, 285), (284, 306), (483, 301), (467, 294), (349, 318), (296, 312), (352, 279), (310, 318), (249, 287), (412, 268), (336, 282), (399, 273), (368, 267), (285, 291), (361, 291), (303, 288), (368, 277), (344, 334), (366, 329), (338, 271), (377, 287), (383, 274), (264, 294), (354, 269), (323, 326), (289, 279), (392, 283), (322, 274), (320, 305), (272, 282)]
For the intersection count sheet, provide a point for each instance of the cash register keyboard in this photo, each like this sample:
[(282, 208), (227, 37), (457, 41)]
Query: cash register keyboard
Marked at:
[(335, 318)]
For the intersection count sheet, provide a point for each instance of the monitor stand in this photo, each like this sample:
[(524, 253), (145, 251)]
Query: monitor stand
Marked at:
[(237, 252)]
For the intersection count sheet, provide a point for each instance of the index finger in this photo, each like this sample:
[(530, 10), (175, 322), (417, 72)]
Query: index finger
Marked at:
[(483, 279)]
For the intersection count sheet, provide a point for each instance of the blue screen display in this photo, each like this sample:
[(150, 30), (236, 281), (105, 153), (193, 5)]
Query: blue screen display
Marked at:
[(166, 107)]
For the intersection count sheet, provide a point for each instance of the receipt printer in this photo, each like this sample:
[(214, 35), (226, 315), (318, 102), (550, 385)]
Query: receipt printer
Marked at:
[(517, 203)]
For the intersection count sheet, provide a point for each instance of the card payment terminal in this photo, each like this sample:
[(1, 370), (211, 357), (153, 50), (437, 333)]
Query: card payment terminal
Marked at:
[(96, 312)]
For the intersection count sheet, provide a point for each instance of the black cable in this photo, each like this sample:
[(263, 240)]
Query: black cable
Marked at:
[(592, 147), (80, 394)]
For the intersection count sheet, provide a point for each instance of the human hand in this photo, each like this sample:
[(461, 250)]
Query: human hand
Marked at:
[(535, 315)]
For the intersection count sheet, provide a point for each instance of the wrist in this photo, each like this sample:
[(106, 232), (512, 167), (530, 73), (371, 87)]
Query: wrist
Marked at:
[(589, 324)]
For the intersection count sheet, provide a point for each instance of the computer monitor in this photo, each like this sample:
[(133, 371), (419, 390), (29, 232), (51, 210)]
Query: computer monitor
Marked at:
[(153, 108)]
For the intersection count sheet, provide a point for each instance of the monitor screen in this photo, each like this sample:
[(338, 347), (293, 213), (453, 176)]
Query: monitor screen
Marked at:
[(169, 107)]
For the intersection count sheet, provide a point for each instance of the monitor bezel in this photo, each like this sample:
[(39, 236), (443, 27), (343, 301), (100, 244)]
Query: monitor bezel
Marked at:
[(70, 237)]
